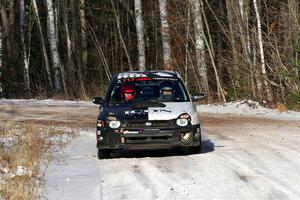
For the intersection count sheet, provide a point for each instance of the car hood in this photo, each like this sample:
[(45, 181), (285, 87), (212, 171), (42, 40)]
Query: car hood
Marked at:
[(171, 111)]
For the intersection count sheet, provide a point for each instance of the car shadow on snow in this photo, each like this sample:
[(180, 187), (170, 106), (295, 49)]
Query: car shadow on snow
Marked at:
[(207, 147)]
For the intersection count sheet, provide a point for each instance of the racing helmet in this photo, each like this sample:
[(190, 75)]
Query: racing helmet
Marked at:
[(166, 87), (128, 91)]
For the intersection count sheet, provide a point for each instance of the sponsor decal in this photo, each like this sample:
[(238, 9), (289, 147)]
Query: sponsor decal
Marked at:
[(161, 110), (131, 75), (165, 79), (136, 112), (171, 111)]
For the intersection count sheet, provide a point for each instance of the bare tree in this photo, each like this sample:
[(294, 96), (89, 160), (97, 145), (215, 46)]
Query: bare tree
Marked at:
[(261, 50), (294, 12), (165, 35), (235, 71), (83, 35), (200, 44), (1, 56), (243, 24), (101, 53), (12, 48), (210, 48), (24, 51), (70, 66), (140, 34), (44, 49), (57, 66), (3, 32), (120, 35)]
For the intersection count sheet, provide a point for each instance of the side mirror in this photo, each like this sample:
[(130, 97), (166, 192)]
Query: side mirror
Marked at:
[(98, 100), (198, 97)]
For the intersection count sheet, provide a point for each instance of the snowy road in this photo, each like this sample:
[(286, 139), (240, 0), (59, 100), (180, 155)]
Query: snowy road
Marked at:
[(244, 157)]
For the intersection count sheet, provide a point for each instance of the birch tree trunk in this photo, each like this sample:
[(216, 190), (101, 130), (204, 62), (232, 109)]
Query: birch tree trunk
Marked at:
[(140, 34), (1, 57), (83, 36), (294, 9), (256, 72), (245, 39), (243, 25), (165, 34), (70, 68), (261, 50), (235, 70), (11, 42), (24, 51), (70, 63), (3, 33), (200, 44), (57, 67), (187, 45), (44, 49)]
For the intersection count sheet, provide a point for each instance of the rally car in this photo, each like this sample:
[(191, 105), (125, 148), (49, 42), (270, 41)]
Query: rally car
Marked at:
[(147, 110)]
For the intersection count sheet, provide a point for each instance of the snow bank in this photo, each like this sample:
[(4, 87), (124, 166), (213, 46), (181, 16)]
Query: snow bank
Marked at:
[(249, 108), (46, 102)]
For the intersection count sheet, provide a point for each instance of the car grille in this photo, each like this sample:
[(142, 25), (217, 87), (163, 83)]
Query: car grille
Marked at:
[(157, 123)]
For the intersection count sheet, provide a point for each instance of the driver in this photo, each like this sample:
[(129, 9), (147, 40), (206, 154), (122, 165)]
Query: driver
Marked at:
[(166, 91), (128, 92)]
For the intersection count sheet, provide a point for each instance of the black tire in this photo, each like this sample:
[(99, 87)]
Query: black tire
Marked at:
[(103, 154), (196, 149)]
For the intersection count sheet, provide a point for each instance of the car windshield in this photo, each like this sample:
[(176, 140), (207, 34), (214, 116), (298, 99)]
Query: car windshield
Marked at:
[(145, 89)]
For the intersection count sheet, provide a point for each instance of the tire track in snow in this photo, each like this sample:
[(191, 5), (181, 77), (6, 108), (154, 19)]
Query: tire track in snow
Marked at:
[(261, 174)]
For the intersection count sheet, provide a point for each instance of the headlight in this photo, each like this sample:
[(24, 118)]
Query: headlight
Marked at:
[(182, 122), (183, 119), (114, 124)]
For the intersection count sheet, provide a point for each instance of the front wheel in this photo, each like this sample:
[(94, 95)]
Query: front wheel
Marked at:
[(196, 149), (103, 154), (192, 149)]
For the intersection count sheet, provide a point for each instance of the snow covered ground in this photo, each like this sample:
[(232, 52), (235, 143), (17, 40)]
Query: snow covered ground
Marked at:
[(246, 164), (248, 108), (249, 152)]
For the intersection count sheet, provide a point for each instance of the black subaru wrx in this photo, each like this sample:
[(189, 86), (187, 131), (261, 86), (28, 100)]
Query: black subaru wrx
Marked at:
[(147, 110)]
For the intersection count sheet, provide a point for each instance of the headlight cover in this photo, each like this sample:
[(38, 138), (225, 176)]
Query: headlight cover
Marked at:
[(183, 120), (114, 124)]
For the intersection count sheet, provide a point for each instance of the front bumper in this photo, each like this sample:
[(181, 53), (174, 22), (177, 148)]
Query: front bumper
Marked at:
[(148, 138)]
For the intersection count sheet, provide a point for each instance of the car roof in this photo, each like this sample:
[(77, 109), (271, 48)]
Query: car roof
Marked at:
[(151, 73)]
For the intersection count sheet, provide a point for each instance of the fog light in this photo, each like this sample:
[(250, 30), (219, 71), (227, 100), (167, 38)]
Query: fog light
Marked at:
[(186, 138)]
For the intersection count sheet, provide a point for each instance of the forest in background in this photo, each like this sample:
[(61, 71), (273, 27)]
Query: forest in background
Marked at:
[(228, 49)]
